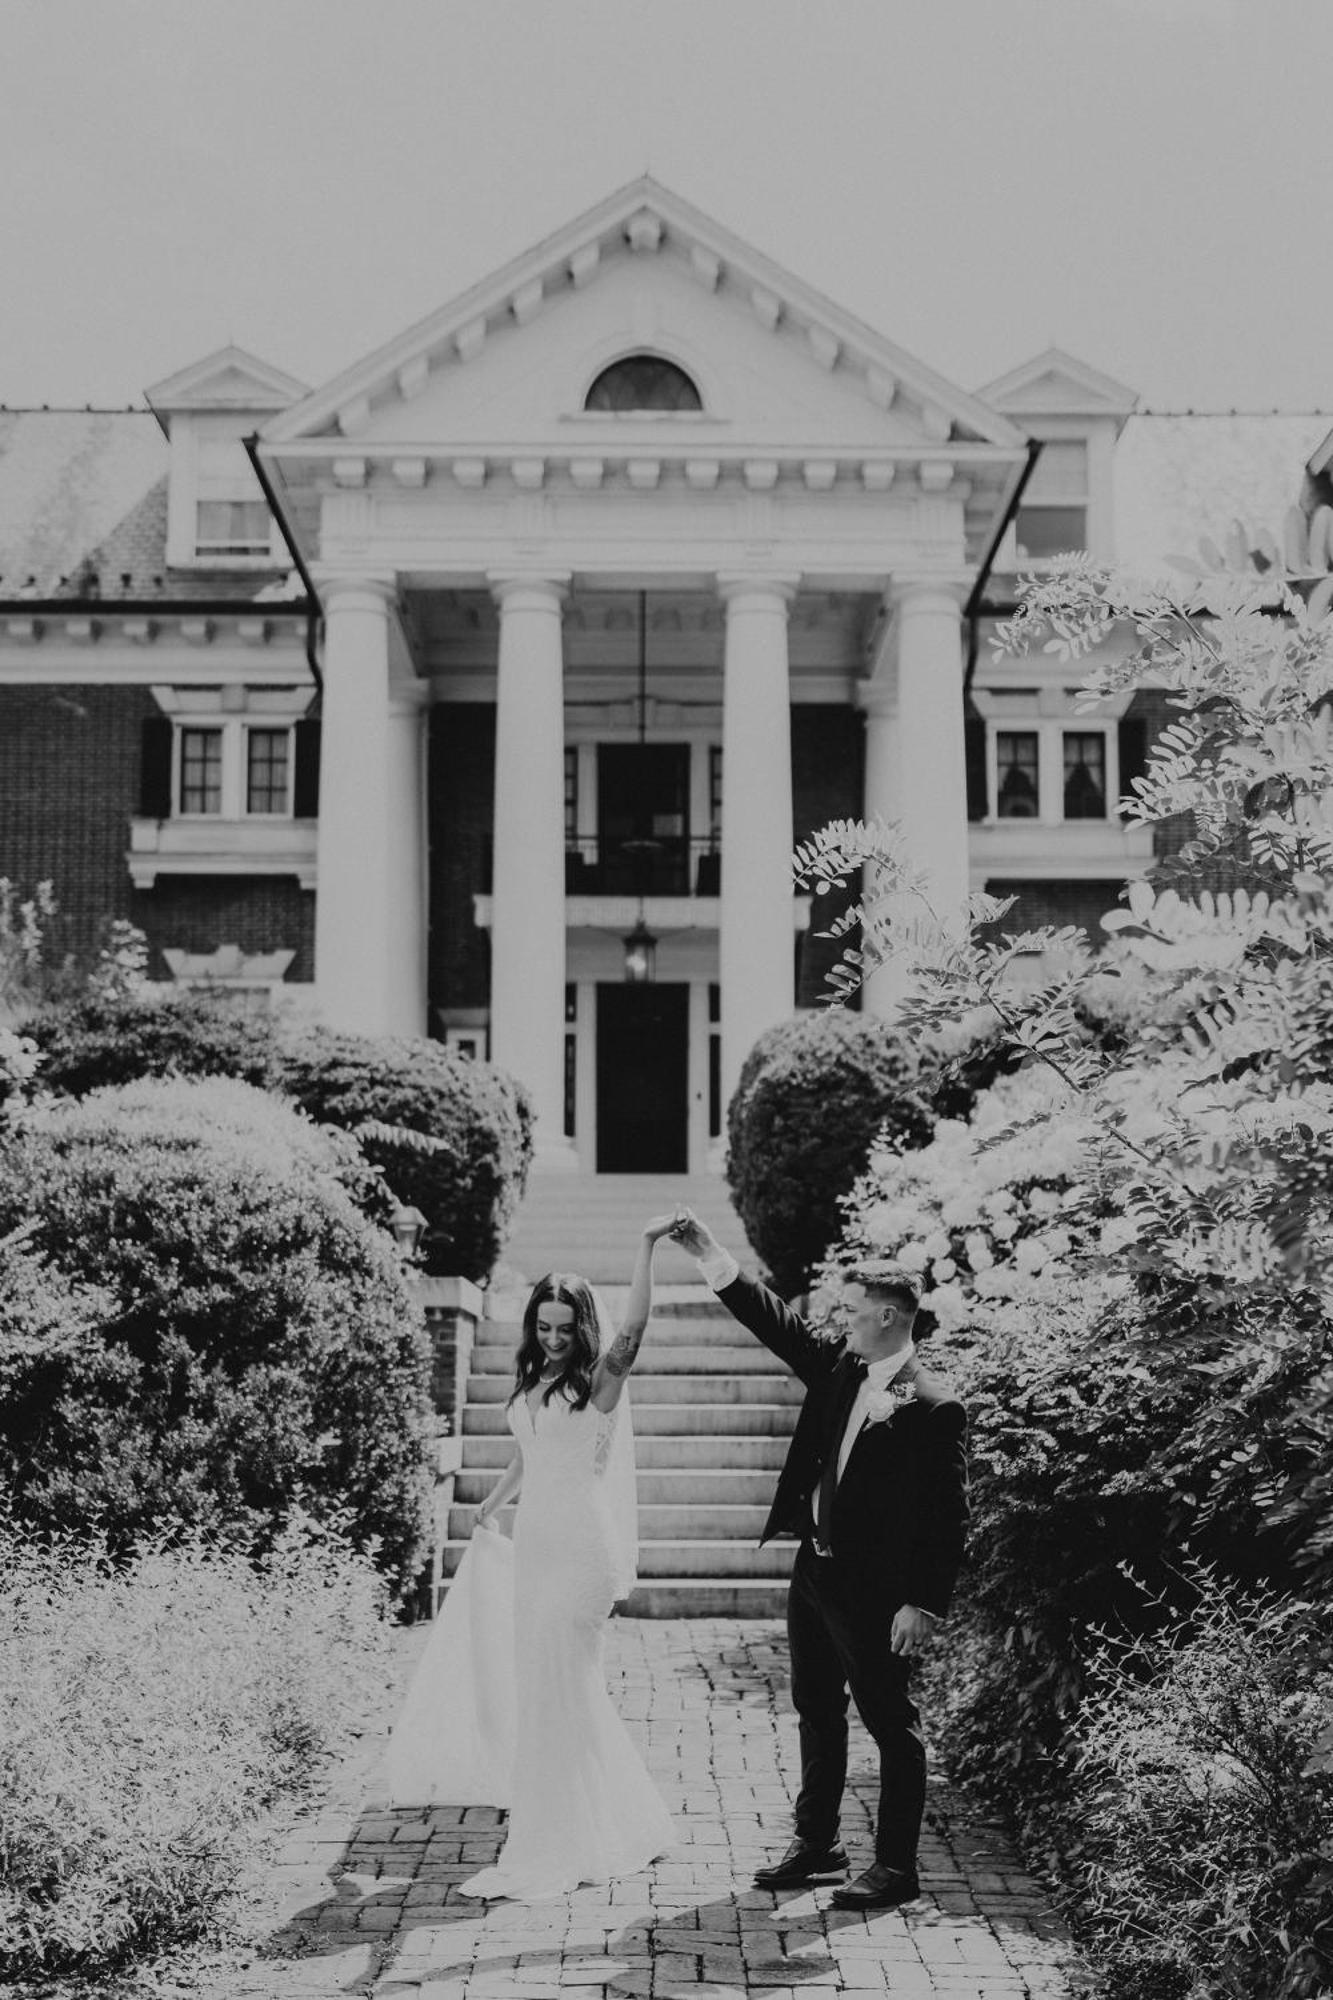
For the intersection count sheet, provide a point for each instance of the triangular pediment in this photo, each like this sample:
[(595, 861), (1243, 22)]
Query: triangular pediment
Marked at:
[(1058, 384), (511, 360), (228, 379)]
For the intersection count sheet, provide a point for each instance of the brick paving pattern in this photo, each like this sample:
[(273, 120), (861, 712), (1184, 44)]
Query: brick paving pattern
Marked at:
[(365, 1901)]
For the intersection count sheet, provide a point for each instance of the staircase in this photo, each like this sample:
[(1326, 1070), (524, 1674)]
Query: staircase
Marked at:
[(590, 1223), (713, 1412)]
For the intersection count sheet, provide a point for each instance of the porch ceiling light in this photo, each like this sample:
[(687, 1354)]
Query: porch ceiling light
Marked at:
[(640, 955)]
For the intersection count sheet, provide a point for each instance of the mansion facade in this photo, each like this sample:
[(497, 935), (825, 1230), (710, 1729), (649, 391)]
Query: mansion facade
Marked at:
[(483, 691)]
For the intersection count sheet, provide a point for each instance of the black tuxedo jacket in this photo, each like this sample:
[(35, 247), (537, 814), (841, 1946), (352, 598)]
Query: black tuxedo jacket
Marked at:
[(900, 1512)]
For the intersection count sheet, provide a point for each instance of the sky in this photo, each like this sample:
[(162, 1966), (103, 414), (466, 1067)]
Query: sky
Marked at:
[(1147, 183)]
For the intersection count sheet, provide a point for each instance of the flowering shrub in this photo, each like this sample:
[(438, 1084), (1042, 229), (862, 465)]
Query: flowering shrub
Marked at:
[(152, 1707), (211, 1332), (990, 1211)]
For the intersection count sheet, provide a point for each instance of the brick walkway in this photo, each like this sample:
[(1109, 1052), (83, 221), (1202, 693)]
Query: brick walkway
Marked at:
[(365, 1901)]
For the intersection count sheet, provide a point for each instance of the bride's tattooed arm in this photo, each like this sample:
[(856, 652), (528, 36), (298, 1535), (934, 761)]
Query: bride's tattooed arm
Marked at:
[(623, 1352)]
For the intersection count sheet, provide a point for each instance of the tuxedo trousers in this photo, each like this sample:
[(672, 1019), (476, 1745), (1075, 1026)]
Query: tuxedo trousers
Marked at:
[(838, 1633)]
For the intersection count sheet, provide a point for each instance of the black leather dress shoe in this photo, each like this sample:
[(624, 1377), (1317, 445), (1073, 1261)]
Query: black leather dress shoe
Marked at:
[(801, 1863), (880, 1888)]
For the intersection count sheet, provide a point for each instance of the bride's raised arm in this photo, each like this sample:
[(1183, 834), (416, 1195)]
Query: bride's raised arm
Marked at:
[(608, 1378)]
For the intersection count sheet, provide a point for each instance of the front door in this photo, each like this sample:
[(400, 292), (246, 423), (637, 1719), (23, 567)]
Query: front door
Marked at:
[(642, 1079)]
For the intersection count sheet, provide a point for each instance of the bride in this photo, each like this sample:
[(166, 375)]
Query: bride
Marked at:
[(582, 1806)]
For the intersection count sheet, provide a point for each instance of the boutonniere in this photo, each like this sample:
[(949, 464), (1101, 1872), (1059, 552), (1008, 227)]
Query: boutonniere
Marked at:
[(881, 1404)]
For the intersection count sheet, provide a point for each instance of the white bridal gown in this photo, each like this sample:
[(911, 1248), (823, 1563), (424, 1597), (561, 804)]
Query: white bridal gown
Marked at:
[(582, 1806)]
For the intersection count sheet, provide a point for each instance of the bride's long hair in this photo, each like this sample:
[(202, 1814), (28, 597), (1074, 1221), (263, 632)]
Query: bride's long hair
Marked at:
[(574, 1381)]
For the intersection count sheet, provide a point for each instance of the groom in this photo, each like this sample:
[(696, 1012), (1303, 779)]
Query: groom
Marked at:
[(875, 1488)]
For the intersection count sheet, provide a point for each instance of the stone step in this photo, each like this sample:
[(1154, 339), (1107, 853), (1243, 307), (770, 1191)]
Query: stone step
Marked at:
[(709, 1597), (663, 1559), (664, 1357), (684, 1423), (717, 1487), (701, 1521), (697, 1455), (660, 1387)]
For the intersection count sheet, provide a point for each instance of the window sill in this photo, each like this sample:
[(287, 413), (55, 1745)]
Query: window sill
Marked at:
[(215, 846), (1067, 850)]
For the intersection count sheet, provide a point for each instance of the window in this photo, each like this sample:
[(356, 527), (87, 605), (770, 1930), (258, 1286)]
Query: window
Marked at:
[(233, 771), (1085, 774), (266, 781), (571, 798), (231, 518), (201, 771), (1053, 516), (232, 528), (1016, 788), (643, 382), (715, 794)]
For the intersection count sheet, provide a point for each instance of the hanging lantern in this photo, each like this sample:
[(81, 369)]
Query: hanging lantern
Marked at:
[(640, 955)]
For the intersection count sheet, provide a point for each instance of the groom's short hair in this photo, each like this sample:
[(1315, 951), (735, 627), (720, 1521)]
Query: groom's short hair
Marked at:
[(890, 1283)]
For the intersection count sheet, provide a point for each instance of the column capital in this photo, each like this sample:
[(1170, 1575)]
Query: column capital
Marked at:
[(543, 590), (373, 589), (946, 590), (773, 591)]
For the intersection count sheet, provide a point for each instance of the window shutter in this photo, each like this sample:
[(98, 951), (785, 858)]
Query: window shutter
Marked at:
[(1133, 735), (155, 767), (305, 788), (974, 749)]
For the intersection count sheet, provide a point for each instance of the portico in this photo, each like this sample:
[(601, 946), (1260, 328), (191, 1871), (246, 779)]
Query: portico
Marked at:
[(656, 624)]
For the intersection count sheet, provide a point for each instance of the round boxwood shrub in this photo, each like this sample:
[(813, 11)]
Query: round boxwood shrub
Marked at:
[(813, 1094), (452, 1137), (115, 1036), (237, 1337)]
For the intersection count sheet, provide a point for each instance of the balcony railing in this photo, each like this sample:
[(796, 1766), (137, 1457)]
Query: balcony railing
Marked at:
[(666, 866)]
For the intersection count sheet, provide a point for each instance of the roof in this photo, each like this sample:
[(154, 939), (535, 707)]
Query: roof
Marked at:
[(67, 479), (644, 215), (84, 493), (1181, 476)]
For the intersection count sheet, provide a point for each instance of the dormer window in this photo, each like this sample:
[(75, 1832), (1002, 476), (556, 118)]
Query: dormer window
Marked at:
[(231, 517), (1053, 517), (643, 382)]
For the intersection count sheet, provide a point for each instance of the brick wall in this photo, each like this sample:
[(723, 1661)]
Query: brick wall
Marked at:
[(259, 913), (460, 788), (1055, 902), (69, 779), (69, 786)]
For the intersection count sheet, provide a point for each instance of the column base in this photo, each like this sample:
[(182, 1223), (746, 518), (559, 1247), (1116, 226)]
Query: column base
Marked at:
[(715, 1160), (554, 1156)]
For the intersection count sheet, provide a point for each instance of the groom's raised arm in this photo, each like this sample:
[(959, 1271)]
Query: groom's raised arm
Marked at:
[(761, 1311)]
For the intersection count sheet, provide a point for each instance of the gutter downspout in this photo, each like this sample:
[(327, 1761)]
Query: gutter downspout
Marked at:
[(314, 617), (972, 609)]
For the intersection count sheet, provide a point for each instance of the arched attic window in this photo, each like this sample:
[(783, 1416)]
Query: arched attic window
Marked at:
[(643, 382)]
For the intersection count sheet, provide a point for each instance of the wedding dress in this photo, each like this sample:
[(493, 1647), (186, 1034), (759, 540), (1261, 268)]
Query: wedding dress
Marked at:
[(582, 1806)]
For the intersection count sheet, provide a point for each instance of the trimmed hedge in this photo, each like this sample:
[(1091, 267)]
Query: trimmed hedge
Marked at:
[(212, 1332), (117, 1037), (450, 1137), (475, 1122), (813, 1096)]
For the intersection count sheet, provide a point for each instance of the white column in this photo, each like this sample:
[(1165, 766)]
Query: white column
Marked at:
[(353, 908), (528, 884), (406, 863), (932, 761), (757, 940)]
